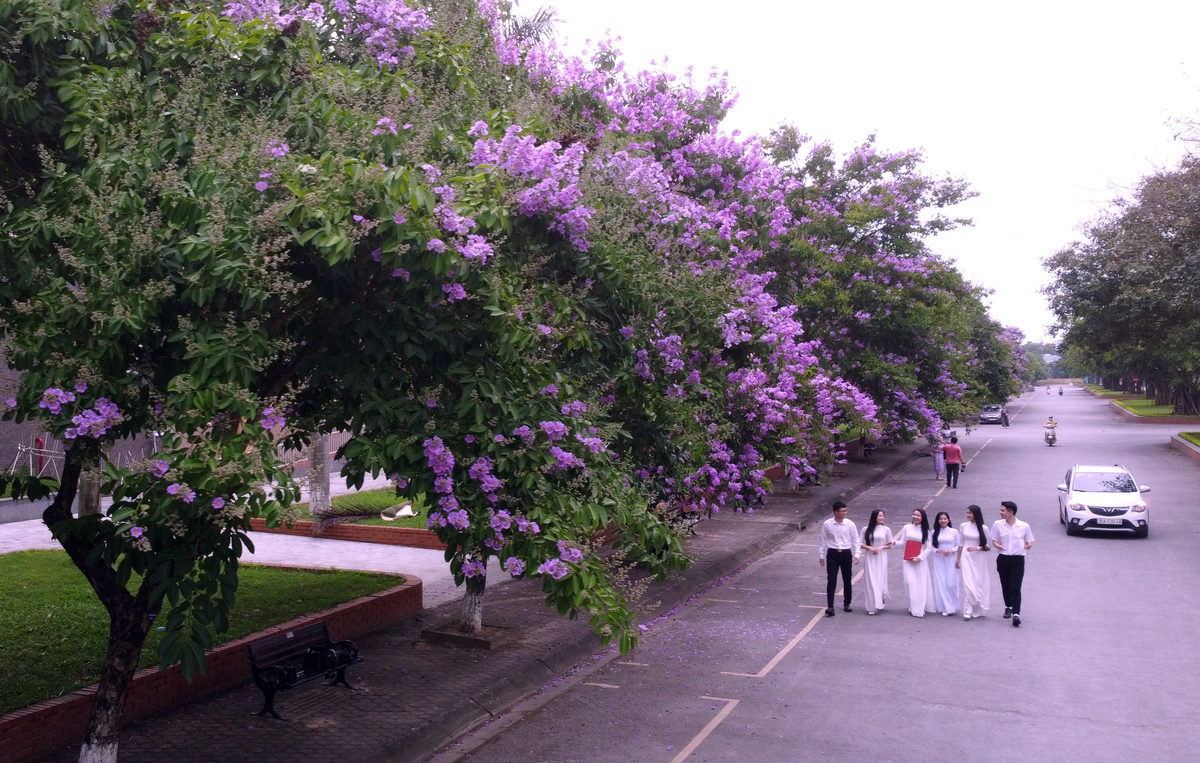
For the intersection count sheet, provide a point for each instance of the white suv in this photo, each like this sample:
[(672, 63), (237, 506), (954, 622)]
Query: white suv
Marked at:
[(1102, 498)]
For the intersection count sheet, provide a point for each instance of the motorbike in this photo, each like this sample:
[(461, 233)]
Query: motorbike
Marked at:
[(1051, 436), (1060, 391)]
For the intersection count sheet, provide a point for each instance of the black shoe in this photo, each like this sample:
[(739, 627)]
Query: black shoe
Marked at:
[(829, 612), (1016, 621), (1007, 612), (847, 608)]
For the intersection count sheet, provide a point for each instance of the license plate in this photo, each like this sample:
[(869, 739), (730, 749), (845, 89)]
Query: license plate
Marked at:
[(1109, 521)]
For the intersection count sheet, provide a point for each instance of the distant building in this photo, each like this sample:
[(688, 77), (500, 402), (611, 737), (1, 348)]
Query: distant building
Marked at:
[(1049, 358)]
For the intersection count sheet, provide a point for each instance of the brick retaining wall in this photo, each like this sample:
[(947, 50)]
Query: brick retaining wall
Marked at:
[(389, 536), (44, 726), (1186, 448)]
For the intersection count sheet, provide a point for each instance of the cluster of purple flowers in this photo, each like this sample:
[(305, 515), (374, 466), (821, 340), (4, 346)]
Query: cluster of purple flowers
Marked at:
[(576, 409), (94, 422), (555, 430), (270, 419), (564, 459), (441, 461), (54, 399), (181, 491)]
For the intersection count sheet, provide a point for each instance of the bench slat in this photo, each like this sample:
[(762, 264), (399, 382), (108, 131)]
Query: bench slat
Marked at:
[(285, 646)]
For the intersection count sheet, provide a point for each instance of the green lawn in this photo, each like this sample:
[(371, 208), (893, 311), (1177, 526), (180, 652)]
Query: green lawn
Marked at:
[(1192, 437), (54, 632), (373, 502), (1144, 407), (1105, 392)]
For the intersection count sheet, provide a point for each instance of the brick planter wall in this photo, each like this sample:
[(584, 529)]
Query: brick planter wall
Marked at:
[(44, 726), (389, 536), (1128, 415)]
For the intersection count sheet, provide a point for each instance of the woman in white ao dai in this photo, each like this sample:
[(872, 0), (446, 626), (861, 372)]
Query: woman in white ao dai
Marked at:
[(945, 542), (976, 583), (918, 583), (876, 540)]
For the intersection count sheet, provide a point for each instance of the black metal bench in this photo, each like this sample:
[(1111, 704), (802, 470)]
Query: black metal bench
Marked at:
[(298, 656)]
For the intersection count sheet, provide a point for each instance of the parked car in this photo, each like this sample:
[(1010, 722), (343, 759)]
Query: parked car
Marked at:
[(1102, 499), (990, 414)]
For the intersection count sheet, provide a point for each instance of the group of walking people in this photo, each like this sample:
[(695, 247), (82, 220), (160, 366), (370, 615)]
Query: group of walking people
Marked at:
[(945, 568)]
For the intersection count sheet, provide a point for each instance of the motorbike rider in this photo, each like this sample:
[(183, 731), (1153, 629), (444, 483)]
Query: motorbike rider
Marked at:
[(1050, 435), (1060, 391), (1050, 423)]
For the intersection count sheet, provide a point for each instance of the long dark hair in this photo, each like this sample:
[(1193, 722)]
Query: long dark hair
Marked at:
[(977, 514), (937, 526), (924, 526), (869, 535)]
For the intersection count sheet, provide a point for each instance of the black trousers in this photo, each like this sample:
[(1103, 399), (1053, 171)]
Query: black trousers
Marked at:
[(952, 474), (1012, 574), (838, 559)]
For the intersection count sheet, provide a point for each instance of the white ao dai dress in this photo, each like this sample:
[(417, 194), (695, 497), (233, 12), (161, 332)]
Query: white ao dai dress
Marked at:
[(918, 583), (875, 568), (976, 584), (945, 576)]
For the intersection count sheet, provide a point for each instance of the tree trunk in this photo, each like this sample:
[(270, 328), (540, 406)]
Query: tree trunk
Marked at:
[(128, 624), (128, 627), (89, 492), (1187, 402), (319, 503), (472, 612)]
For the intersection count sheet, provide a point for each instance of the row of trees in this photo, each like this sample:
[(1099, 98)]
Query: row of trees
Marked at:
[(1127, 296), (547, 292)]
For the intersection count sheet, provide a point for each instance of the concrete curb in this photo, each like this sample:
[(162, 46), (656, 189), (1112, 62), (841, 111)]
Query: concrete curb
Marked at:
[(419, 743), (1186, 448), (1132, 417)]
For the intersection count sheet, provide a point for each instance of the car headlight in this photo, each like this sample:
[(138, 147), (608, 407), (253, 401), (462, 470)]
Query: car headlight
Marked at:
[(1138, 507), (1076, 507)]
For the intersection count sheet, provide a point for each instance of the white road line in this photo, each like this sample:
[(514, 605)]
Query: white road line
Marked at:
[(791, 644), (699, 738), (602, 686), (725, 601), (639, 664)]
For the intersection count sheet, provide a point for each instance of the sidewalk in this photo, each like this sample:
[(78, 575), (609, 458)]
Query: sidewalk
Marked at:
[(24, 510), (413, 697)]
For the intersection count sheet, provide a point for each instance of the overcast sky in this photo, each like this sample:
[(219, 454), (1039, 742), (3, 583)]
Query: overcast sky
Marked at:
[(1049, 109)]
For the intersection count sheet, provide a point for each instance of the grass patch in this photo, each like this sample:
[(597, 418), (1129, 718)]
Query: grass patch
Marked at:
[(1143, 407), (1105, 392), (1192, 437), (55, 631), (373, 502)]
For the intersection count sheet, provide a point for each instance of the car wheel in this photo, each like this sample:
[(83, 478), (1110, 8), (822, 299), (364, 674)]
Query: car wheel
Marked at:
[(1142, 532), (1062, 518), (1072, 530)]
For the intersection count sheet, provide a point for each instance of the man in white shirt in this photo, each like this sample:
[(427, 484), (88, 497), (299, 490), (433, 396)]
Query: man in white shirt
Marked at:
[(839, 544), (1012, 538)]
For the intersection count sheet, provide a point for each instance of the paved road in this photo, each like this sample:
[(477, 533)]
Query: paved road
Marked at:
[(1103, 668)]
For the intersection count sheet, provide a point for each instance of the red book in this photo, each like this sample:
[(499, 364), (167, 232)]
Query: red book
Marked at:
[(912, 550)]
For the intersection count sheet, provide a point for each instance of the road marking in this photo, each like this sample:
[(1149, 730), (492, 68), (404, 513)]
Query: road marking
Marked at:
[(699, 738), (981, 447), (639, 664), (935, 497), (726, 601), (602, 686), (791, 644)]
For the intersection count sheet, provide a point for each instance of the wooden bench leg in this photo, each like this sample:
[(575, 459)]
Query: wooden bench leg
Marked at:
[(269, 705)]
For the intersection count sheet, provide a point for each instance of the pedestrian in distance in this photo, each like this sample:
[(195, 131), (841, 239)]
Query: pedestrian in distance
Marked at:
[(945, 542), (954, 461), (918, 584), (939, 460), (839, 545), (876, 540), (1012, 538), (1004, 417), (976, 583)]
